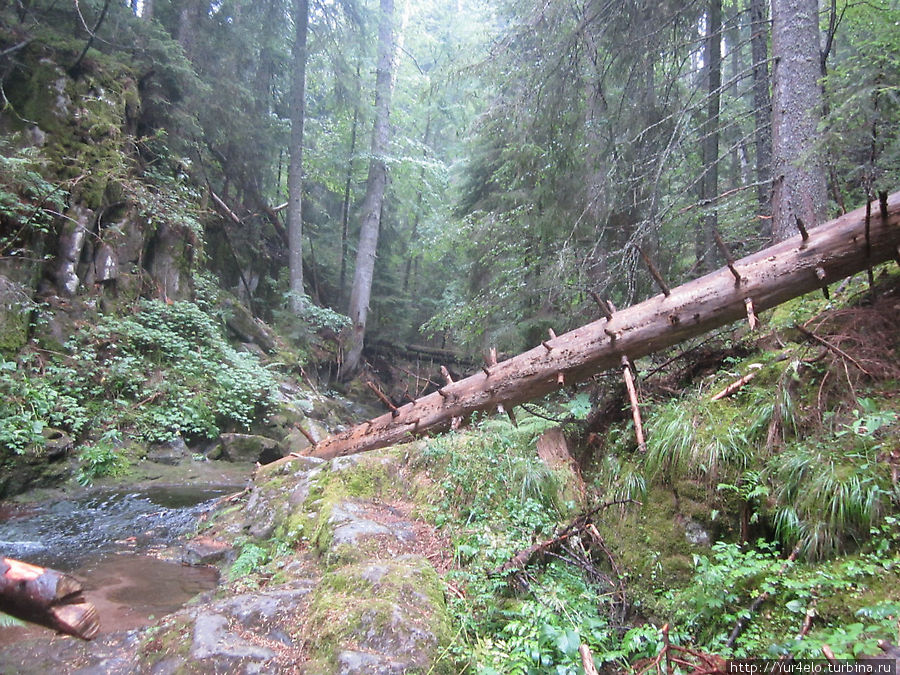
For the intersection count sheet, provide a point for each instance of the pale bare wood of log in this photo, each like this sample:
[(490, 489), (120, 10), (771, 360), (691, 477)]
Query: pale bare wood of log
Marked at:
[(457, 420), (604, 308), (734, 386), (587, 660), (225, 208), (306, 434), (774, 275), (635, 407), (821, 276), (46, 597), (751, 314)]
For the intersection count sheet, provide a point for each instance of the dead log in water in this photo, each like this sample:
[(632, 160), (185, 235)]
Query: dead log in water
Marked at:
[(791, 268), (46, 597)]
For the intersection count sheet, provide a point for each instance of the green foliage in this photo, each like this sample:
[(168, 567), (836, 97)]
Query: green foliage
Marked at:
[(161, 197), (6, 620), (831, 491), (852, 612), (198, 383), (251, 558), (28, 202), (163, 372), (542, 634), (698, 439), (29, 403), (862, 87), (101, 458), (494, 499), (493, 472)]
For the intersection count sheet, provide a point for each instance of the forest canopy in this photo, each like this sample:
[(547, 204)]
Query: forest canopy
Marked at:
[(530, 150)]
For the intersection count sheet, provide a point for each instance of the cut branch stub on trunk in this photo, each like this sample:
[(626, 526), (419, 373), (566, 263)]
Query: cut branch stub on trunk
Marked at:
[(769, 277)]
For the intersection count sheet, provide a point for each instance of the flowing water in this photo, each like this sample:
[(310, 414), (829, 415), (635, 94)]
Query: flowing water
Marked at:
[(112, 542)]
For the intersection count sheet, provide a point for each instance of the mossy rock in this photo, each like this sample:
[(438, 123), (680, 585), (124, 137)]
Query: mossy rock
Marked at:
[(651, 544), (392, 612)]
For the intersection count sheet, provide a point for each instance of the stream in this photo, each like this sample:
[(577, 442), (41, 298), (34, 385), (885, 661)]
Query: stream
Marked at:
[(115, 542)]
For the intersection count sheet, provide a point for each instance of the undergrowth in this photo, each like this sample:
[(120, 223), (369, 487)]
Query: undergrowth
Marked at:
[(803, 458), (161, 373), (496, 498)]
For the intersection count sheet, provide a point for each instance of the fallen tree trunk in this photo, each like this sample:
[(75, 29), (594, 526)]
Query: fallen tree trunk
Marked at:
[(46, 597), (779, 273)]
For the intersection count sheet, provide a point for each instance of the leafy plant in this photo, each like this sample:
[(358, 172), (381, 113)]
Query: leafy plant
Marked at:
[(30, 403), (101, 458), (698, 439), (250, 559)]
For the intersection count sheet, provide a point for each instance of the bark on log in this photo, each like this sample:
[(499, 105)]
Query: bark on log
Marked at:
[(769, 277), (46, 597)]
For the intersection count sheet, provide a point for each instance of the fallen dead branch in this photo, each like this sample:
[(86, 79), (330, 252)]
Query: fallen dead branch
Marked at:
[(734, 386), (579, 525), (687, 660), (587, 660), (832, 348), (767, 278)]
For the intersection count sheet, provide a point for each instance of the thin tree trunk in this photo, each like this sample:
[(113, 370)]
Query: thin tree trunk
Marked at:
[(412, 252), (345, 208), (771, 276), (376, 184), (762, 110), (188, 19), (799, 187), (709, 184), (295, 173)]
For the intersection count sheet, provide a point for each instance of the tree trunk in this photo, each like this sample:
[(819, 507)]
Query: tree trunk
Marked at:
[(188, 19), (345, 206), (413, 252), (46, 597), (768, 278), (376, 184), (295, 173), (709, 183), (762, 110), (799, 188)]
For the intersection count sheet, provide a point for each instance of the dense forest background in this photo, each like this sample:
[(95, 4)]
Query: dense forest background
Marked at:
[(529, 152)]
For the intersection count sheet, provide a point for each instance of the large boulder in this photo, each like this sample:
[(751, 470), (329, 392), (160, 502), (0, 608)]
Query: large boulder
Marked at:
[(246, 327), (246, 448)]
